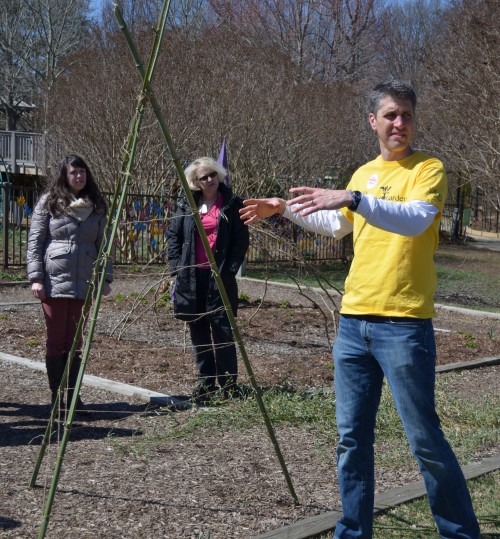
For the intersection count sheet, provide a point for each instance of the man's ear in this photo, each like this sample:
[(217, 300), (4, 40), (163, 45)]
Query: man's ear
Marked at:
[(373, 121)]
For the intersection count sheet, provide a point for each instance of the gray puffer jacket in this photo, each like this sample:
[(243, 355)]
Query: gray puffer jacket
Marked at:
[(62, 251)]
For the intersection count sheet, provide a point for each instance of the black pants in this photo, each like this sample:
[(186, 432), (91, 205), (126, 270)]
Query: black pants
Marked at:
[(212, 338)]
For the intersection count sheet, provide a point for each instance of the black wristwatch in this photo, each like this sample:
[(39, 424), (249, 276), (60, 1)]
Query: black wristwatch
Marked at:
[(356, 199)]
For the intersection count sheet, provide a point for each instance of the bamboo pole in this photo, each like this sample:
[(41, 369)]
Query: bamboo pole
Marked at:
[(99, 276), (214, 268)]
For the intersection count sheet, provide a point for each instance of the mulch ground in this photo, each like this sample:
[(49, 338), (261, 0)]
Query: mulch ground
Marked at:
[(226, 483)]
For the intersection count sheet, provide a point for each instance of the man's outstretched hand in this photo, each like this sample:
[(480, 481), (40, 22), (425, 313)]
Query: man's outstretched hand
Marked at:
[(307, 200), (260, 208), (312, 199)]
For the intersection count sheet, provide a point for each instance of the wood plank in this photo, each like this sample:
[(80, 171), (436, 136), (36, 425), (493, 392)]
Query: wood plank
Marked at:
[(416, 490), (472, 364), (326, 522), (304, 529)]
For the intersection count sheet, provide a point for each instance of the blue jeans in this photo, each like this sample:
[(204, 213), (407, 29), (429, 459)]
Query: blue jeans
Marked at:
[(404, 351)]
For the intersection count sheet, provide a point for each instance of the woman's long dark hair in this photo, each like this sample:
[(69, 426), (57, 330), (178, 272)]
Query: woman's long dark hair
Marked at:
[(59, 194)]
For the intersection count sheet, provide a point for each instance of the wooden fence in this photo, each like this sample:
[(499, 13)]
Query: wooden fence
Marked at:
[(143, 230), (142, 235)]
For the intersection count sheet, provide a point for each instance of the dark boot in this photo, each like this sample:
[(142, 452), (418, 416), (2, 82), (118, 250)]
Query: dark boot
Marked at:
[(229, 386), (73, 375), (225, 360), (204, 390), (55, 370)]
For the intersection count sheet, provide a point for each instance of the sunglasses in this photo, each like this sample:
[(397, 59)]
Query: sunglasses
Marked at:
[(205, 178)]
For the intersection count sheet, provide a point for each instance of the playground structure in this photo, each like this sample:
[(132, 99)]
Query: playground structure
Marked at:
[(22, 153)]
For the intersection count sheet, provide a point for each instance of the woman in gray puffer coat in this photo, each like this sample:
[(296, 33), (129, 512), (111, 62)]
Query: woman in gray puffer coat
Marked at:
[(66, 232)]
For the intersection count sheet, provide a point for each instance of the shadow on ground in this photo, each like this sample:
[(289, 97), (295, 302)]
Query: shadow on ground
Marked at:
[(25, 424)]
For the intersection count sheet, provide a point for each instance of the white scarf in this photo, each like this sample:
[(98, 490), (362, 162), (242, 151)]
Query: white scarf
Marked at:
[(80, 208)]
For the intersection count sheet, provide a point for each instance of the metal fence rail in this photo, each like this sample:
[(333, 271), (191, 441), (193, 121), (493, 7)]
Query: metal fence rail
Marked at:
[(15, 217), (472, 212), (278, 240), (141, 238)]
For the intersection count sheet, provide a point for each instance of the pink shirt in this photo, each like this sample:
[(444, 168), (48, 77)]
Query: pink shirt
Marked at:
[(209, 220)]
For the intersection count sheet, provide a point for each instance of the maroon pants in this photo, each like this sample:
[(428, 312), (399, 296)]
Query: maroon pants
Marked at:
[(61, 319)]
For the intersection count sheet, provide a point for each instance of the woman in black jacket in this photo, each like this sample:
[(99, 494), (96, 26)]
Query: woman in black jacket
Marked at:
[(196, 295)]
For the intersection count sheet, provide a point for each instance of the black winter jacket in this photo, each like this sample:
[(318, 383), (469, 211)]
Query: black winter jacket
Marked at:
[(230, 247)]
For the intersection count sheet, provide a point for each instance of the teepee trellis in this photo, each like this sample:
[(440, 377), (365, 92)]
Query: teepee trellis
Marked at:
[(93, 299), (99, 276)]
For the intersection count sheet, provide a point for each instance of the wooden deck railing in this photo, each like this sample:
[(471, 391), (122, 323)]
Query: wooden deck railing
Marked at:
[(22, 152)]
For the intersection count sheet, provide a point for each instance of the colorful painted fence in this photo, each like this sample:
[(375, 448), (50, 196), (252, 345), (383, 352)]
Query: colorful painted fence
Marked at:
[(142, 235)]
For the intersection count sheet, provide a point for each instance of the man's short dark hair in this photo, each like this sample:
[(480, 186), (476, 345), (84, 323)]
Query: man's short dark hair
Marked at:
[(390, 88)]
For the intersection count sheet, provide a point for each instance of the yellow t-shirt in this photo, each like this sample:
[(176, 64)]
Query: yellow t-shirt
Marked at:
[(391, 274)]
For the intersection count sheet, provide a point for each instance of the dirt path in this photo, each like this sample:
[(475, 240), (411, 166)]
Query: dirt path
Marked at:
[(227, 483)]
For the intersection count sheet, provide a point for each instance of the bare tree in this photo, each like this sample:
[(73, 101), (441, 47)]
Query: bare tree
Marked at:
[(60, 26), (326, 39), (257, 81), (37, 35), (405, 34), (211, 83), (462, 118), (16, 79), (93, 104)]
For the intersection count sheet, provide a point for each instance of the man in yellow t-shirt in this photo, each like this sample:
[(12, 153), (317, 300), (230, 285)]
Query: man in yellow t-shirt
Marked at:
[(403, 282), (392, 206)]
